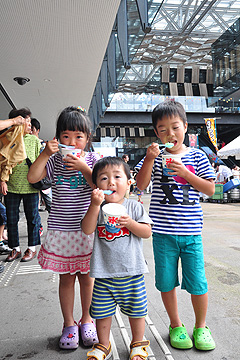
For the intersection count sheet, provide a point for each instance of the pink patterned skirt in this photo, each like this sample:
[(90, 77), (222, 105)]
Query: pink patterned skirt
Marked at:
[(65, 252)]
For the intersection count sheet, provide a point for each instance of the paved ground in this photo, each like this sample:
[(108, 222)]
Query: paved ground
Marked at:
[(31, 319)]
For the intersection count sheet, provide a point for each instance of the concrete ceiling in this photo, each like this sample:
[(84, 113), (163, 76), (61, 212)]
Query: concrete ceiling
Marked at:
[(59, 45)]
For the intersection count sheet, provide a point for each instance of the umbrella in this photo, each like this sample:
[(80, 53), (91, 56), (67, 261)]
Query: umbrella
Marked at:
[(231, 149)]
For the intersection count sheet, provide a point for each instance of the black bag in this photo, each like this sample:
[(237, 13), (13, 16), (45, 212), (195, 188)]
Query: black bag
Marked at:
[(43, 184)]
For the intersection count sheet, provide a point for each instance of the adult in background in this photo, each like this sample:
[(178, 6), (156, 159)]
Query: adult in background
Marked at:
[(4, 124), (18, 188), (223, 173), (45, 194)]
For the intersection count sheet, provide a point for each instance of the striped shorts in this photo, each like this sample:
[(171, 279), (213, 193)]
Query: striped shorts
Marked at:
[(129, 293)]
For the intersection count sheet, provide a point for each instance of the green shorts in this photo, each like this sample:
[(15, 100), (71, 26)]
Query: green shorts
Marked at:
[(167, 251), (127, 292)]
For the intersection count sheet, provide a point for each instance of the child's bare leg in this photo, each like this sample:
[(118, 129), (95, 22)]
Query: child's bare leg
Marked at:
[(138, 328), (103, 330), (1, 232), (200, 304), (170, 302), (86, 289), (66, 297)]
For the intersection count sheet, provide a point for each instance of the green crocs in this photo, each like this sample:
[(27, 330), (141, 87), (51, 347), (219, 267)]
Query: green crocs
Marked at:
[(179, 338), (203, 339)]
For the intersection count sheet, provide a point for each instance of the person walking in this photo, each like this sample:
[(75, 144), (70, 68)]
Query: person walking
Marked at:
[(66, 250)]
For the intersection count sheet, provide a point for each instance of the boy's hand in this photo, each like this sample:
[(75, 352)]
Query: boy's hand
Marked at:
[(153, 151), (178, 168), (125, 221), (51, 147), (97, 197)]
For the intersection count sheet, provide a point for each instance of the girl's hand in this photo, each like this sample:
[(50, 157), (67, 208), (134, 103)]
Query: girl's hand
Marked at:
[(73, 162), (153, 151), (97, 197), (125, 221), (178, 168), (51, 147)]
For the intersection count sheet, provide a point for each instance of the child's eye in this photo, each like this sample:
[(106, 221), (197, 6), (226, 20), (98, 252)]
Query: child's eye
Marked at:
[(103, 178), (118, 176)]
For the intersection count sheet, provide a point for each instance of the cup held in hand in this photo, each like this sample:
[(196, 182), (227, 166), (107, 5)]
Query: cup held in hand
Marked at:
[(111, 214), (167, 159), (65, 151)]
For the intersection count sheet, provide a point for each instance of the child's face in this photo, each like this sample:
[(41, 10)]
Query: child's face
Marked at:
[(34, 131), (172, 129), (113, 178), (78, 139)]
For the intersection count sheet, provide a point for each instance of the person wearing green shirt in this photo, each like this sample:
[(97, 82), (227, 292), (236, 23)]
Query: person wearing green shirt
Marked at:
[(18, 188)]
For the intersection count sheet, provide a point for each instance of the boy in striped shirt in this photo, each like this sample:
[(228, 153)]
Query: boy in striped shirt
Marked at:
[(178, 218)]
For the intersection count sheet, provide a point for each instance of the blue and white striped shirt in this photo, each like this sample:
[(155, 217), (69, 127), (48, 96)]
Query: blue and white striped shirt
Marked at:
[(174, 206)]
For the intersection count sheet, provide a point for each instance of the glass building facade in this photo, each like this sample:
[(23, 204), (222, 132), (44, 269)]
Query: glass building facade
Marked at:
[(226, 68)]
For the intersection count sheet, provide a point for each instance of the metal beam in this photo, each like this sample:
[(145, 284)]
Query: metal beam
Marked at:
[(111, 60), (142, 6), (122, 33), (104, 81)]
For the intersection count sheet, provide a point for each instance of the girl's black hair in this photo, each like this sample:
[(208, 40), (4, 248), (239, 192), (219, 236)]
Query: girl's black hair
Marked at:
[(109, 161), (74, 119), (24, 112), (168, 108)]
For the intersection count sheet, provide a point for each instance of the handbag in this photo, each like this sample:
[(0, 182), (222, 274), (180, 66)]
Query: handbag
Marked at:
[(43, 184)]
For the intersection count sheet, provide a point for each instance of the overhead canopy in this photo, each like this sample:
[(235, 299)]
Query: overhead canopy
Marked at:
[(231, 149), (59, 46)]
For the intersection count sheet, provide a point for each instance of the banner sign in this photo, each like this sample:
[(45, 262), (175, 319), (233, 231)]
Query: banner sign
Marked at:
[(193, 140), (212, 131)]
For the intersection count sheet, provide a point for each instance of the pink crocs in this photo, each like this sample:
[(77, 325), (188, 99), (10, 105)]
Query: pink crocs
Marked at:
[(88, 333)]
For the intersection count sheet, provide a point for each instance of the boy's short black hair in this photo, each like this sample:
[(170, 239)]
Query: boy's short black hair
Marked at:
[(24, 112), (109, 161), (168, 108), (35, 123)]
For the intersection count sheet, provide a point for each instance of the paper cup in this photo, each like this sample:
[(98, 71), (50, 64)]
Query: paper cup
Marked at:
[(111, 214), (167, 159), (65, 151)]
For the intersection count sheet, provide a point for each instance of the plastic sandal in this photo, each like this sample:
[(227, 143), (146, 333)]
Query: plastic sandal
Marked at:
[(88, 333), (138, 348), (100, 352), (179, 338), (69, 338), (203, 339)]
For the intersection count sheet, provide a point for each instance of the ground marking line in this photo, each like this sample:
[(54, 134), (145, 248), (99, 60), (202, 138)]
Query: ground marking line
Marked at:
[(114, 348), (13, 266)]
